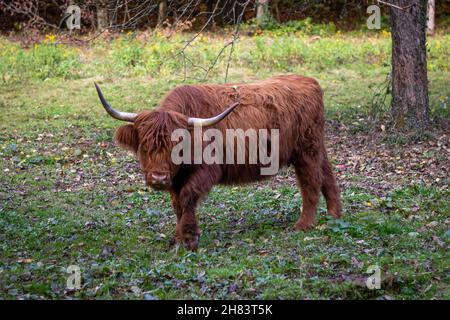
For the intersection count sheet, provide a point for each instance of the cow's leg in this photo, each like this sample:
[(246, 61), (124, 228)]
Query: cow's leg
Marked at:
[(309, 174), (174, 196), (197, 186), (330, 190)]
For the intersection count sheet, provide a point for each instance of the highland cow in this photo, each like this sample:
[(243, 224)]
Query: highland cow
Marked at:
[(292, 104)]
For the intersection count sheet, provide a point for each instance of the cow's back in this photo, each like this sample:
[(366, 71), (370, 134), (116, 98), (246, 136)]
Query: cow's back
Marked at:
[(288, 103), (272, 103)]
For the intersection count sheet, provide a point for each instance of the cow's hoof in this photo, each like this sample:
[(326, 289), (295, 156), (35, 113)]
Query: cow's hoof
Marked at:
[(335, 215), (335, 212), (191, 242), (303, 226), (188, 241)]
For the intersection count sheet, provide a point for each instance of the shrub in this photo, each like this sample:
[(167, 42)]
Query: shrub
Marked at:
[(160, 55), (46, 60), (128, 54), (299, 27), (276, 53), (52, 61)]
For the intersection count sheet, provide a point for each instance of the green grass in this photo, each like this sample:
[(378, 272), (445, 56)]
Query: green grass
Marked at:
[(69, 197)]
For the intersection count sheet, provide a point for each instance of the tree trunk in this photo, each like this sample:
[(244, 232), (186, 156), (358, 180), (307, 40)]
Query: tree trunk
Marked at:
[(410, 108), (262, 11), (277, 12), (102, 14), (162, 13), (430, 20)]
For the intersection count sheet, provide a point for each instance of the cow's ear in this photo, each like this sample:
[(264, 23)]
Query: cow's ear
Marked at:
[(126, 136)]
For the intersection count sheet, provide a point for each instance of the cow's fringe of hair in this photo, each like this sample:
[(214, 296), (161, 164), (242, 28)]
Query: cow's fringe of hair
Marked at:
[(155, 129)]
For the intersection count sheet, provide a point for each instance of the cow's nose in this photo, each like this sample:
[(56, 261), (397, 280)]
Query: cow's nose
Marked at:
[(159, 178)]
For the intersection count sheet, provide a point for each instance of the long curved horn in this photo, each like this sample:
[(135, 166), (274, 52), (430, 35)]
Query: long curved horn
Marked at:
[(124, 116), (212, 121)]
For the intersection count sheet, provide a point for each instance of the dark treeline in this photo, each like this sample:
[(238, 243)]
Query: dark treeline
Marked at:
[(19, 15)]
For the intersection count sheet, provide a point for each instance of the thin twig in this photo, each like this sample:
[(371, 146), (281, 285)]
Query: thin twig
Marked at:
[(395, 6)]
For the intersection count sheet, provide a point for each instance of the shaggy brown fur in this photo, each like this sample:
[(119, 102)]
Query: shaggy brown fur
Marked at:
[(292, 104)]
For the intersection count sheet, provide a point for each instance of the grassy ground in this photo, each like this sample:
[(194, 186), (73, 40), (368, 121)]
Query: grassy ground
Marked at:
[(68, 196)]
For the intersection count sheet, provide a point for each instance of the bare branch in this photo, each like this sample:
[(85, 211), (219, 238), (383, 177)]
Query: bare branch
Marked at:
[(395, 6)]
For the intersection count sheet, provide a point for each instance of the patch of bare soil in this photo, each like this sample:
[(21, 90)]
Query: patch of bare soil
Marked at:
[(375, 163)]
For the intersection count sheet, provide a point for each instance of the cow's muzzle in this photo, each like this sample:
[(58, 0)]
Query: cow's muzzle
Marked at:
[(158, 181)]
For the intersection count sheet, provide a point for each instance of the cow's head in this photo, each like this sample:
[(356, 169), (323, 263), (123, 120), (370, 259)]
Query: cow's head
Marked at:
[(149, 137)]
